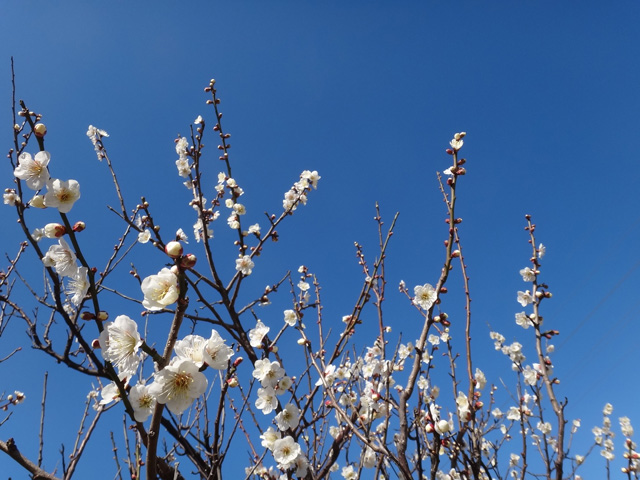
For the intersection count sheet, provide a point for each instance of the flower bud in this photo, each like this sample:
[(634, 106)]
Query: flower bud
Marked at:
[(54, 230), (79, 226), (37, 201), (238, 361), (95, 343), (87, 315), (188, 261), (40, 130), (429, 427), (232, 382), (102, 316), (173, 249)]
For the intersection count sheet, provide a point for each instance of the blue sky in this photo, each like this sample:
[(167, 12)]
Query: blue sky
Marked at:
[(369, 94)]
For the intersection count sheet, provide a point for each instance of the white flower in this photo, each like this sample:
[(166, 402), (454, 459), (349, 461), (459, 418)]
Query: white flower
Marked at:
[(257, 333), (216, 353), (425, 296), (62, 195), (198, 120), (37, 234), (255, 229), (144, 236), (290, 318), (142, 402), (608, 409), (285, 452), (268, 372), (160, 290), (184, 169), (369, 459), (191, 347), (119, 343), (267, 400), (348, 473), (178, 385), (78, 285), (525, 298), (528, 275), (433, 339), (33, 170), (544, 427), (480, 379), (530, 375), (523, 320), (61, 258), (304, 286), (109, 393), (269, 437), (244, 265), (541, 250), (457, 142), (288, 418), (311, 177), (180, 235), (10, 198)]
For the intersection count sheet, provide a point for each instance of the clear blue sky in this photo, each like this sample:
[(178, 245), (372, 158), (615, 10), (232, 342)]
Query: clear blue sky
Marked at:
[(369, 94)]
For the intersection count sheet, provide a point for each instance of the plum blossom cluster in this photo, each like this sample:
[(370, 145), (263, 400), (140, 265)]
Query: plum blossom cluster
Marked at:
[(95, 136), (298, 192), (63, 260), (178, 384)]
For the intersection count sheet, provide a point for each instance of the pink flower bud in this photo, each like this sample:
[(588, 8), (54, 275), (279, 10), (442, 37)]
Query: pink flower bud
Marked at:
[(173, 249), (87, 316), (238, 361), (232, 382), (54, 230), (95, 343), (79, 226), (188, 261)]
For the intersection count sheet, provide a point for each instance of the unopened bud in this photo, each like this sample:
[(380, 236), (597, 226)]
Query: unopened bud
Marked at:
[(54, 230), (37, 201), (238, 361), (40, 130), (455, 254), (173, 249), (79, 226), (232, 382), (102, 316), (87, 316), (188, 261), (95, 343), (429, 427)]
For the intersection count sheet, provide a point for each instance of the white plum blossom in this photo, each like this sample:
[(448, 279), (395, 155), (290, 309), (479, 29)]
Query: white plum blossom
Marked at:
[(144, 236), (528, 275), (61, 194), (269, 437), (255, 229), (61, 258), (216, 353), (109, 393), (142, 402), (119, 343), (257, 333), (33, 170), (178, 385), (78, 285), (244, 265), (544, 427), (95, 135), (541, 250), (525, 298), (457, 142), (425, 296), (160, 290), (480, 379), (10, 197), (523, 320), (348, 473), (268, 372), (191, 347), (267, 401), (290, 318), (285, 452), (288, 418)]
